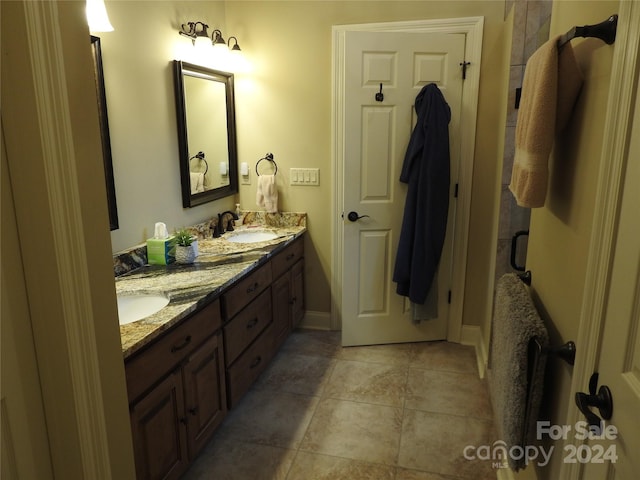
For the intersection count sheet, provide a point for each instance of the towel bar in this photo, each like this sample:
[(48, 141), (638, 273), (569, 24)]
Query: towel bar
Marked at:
[(268, 157), (534, 355), (200, 156), (566, 352), (605, 31)]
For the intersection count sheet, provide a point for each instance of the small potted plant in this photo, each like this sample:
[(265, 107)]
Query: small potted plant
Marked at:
[(185, 246)]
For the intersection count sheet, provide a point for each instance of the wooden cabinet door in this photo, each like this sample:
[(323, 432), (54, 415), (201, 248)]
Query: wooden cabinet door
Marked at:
[(297, 293), (281, 301), (205, 395), (159, 431)]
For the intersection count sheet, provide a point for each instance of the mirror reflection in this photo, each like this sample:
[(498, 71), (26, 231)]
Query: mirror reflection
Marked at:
[(206, 133)]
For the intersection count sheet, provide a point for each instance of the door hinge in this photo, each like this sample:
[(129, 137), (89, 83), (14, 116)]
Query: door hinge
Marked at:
[(449, 298), (464, 66), (455, 191)]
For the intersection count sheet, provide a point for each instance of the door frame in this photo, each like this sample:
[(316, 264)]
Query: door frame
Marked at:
[(625, 71), (86, 412), (472, 28)]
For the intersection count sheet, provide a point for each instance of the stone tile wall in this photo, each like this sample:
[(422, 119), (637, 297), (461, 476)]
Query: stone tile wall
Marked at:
[(530, 30)]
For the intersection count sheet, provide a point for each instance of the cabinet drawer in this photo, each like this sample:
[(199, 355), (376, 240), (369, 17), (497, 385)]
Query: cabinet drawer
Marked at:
[(242, 374), (246, 290), (153, 362), (247, 325), (285, 259)]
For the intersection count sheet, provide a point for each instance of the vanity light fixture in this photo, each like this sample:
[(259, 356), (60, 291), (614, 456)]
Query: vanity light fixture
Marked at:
[(236, 47), (97, 17), (196, 31), (216, 39)]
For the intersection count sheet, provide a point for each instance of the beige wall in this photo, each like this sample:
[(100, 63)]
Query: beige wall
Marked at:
[(560, 232), (503, 42), (283, 106), (137, 59)]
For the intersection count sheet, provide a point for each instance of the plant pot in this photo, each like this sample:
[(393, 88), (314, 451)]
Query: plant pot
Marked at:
[(185, 255)]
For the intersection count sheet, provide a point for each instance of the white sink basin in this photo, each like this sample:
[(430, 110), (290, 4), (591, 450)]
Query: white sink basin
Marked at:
[(132, 307), (251, 237)]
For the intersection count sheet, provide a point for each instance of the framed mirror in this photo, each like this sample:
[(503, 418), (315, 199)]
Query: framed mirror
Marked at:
[(206, 133), (104, 132)]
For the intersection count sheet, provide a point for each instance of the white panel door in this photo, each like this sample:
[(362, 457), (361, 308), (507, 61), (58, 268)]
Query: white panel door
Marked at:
[(616, 454), (376, 137)]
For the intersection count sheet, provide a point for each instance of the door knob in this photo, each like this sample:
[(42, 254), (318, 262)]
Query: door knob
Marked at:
[(601, 399), (354, 217)]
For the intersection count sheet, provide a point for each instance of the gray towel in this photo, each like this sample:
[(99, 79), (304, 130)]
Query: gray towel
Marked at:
[(515, 384)]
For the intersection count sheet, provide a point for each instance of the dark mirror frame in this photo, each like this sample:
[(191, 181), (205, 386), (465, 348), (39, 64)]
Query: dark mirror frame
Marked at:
[(189, 200), (104, 132)]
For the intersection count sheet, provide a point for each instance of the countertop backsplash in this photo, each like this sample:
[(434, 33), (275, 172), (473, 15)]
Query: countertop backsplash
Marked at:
[(136, 257)]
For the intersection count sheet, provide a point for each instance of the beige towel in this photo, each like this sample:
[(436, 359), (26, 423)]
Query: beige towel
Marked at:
[(552, 82), (197, 182), (267, 193)]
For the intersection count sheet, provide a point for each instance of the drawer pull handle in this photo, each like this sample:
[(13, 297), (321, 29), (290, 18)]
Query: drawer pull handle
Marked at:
[(252, 323), (253, 287), (256, 362), (184, 421), (290, 256), (193, 410), (293, 301), (186, 342)]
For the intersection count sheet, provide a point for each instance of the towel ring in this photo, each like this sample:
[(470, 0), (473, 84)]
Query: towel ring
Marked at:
[(200, 156), (268, 157)]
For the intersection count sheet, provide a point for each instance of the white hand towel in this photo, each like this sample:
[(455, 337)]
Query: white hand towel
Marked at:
[(267, 193), (197, 182)]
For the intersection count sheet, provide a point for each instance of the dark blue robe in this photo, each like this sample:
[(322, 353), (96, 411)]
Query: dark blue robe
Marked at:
[(426, 170)]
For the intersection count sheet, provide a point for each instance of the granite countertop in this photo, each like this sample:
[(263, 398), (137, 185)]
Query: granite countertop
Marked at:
[(219, 264)]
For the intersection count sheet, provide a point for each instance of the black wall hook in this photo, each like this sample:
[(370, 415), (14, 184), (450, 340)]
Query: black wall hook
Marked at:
[(380, 95)]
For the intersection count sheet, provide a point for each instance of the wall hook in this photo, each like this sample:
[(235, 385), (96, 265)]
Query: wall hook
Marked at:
[(380, 95)]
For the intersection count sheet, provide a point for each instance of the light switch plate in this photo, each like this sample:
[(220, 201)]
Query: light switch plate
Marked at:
[(304, 176)]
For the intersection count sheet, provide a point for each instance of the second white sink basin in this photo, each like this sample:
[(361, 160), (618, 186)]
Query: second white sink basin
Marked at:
[(251, 237), (132, 307)]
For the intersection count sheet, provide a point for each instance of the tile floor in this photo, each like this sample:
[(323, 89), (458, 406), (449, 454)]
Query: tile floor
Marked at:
[(320, 411)]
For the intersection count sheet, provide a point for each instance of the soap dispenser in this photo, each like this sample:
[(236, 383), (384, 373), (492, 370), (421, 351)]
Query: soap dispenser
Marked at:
[(239, 214)]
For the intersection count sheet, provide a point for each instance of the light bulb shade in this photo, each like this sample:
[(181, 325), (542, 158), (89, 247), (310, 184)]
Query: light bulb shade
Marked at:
[(97, 16), (236, 47), (217, 39), (201, 41)]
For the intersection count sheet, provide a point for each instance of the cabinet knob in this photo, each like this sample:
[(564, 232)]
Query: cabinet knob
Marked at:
[(193, 410), (256, 362)]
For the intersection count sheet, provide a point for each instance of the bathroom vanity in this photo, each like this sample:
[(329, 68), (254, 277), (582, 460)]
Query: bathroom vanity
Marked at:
[(193, 360)]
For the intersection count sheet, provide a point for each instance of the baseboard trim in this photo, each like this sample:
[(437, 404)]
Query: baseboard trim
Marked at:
[(472, 335), (316, 320)]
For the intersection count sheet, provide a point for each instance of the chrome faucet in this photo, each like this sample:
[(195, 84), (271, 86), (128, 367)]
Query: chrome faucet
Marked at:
[(225, 224)]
